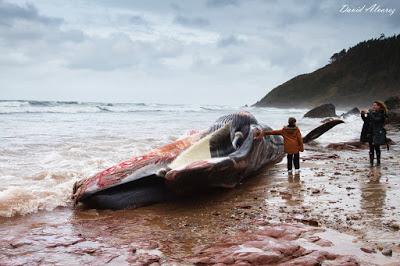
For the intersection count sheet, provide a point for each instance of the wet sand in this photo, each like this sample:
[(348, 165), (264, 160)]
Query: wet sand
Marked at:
[(338, 206)]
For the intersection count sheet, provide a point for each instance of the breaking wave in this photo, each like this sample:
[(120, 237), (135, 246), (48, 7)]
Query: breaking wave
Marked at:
[(72, 107), (44, 191)]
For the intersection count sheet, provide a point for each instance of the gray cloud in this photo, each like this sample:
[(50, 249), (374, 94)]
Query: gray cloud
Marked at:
[(176, 7), (104, 54), (191, 21), (231, 60), (138, 20), (46, 42), (230, 40), (11, 12), (119, 51), (222, 3), (20, 25)]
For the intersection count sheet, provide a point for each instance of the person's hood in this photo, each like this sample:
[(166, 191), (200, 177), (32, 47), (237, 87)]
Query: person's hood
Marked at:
[(290, 130)]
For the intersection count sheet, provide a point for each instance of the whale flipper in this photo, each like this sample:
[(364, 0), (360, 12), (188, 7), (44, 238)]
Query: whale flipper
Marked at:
[(317, 132)]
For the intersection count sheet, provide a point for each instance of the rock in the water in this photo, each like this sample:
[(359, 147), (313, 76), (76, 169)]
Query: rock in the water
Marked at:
[(387, 252), (368, 249), (354, 111), (325, 110), (395, 226)]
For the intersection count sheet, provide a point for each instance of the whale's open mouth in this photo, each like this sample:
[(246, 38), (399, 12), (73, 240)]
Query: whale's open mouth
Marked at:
[(214, 161), (215, 145)]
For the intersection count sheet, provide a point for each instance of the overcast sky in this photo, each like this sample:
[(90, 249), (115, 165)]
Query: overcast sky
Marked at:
[(211, 51)]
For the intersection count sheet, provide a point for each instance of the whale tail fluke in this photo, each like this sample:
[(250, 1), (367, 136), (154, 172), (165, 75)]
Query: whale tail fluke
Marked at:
[(317, 132)]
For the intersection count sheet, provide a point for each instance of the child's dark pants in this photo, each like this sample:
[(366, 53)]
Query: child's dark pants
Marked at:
[(293, 159)]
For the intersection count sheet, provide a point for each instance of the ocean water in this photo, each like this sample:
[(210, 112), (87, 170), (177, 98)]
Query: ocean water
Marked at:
[(46, 146)]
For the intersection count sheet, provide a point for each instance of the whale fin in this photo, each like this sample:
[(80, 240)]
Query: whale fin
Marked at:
[(317, 132)]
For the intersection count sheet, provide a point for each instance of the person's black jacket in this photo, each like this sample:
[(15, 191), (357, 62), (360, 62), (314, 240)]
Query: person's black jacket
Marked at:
[(366, 132), (373, 128)]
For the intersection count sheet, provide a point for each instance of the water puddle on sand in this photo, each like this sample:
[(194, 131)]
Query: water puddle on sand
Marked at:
[(344, 244), (342, 194)]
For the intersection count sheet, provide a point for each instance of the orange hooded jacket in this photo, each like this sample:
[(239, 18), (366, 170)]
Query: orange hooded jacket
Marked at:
[(293, 141)]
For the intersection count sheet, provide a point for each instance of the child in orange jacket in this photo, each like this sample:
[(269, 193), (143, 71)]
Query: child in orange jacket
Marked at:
[(293, 143)]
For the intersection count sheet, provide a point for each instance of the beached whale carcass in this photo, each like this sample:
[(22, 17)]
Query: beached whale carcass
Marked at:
[(220, 156)]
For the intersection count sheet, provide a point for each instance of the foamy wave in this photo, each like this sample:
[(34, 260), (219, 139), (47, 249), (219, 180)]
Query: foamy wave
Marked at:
[(348, 131), (38, 107), (47, 192)]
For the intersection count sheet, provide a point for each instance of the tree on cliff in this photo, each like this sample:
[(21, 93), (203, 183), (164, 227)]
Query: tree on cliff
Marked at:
[(337, 56)]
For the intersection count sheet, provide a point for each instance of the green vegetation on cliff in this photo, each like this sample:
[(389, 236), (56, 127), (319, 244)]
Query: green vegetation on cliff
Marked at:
[(366, 72)]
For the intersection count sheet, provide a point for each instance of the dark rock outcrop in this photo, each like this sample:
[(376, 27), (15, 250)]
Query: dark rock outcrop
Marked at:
[(354, 111), (325, 110)]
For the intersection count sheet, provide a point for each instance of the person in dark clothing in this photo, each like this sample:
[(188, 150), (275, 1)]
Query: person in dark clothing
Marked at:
[(373, 130), (293, 143)]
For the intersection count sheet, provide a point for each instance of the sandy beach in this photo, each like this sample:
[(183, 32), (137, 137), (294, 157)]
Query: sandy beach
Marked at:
[(338, 211)]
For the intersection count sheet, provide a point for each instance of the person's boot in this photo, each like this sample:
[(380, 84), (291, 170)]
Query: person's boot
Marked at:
[(378, 159), (371, 159)]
